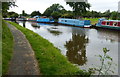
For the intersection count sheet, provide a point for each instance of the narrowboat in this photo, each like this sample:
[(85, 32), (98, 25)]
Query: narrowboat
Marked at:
[(75, 22), (33, 19), (109, 24), (10, 19), (22, 18), (44, 19)]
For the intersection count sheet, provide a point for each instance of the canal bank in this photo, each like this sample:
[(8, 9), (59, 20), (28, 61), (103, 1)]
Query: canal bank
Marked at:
[(51, 61)]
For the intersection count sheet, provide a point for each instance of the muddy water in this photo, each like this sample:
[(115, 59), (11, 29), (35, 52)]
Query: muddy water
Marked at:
[(81, 46)]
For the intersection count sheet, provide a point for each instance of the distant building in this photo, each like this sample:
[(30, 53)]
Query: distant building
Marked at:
[(119, 6)]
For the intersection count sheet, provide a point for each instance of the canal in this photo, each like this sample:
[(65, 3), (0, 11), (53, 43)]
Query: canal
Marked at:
[(80, 46)]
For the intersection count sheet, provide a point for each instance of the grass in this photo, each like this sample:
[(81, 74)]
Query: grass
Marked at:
[(93, 20), (50, 60), (7, 47)]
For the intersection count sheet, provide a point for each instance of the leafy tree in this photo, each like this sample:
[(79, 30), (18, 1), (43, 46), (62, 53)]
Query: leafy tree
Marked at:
[(114, 15), (53, 8), (118, 16), (67, 15), (79, 7), (23, 13), (6, 6), (63, 11), (56, 15), (34, 13), (12, 14), (107, 14)]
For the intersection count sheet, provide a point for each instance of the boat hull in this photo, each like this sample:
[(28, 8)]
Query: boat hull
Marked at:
[(108, 27)]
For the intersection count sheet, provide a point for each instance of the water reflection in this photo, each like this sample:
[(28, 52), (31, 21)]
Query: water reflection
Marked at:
[(111, 35), (76, 49), (24, 23), (42, 24), (54, 31), (35, 25)]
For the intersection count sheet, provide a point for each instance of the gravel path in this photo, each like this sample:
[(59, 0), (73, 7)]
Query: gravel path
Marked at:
[(23, 61)]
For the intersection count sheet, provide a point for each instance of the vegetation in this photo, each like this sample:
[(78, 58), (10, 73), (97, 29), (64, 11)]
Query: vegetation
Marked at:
[(35, 13), (23, 13), (106, 64), (114, 15), (6, 6), (79, 8), (7, 47), (55, 15), (12, 14), (53, 8), (51, 61)]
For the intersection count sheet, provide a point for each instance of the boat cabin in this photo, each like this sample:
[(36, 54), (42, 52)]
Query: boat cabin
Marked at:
[(114, 23), (75, 22)]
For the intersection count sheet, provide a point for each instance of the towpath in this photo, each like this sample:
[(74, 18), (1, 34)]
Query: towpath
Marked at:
[(23, 61)]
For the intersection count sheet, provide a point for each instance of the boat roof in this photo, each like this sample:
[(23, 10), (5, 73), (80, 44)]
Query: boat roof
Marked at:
[(70, 19), (36, 16), (112, 20)]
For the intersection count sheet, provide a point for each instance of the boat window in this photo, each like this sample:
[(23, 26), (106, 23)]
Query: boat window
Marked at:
[(107, 23), (62, 20), (115, 24), (103, 22), (111, 23), (65, 20), (119, 24)]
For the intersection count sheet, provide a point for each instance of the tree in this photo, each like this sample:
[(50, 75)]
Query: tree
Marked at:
[(107, 14), (34, 13), (6, 6), (79, 7), (56, 15), (12, 15), (24, 14), (67, 15), (53, 8), (114, 15)]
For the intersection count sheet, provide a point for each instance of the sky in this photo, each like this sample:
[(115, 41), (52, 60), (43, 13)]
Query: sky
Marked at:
[(41, 5)]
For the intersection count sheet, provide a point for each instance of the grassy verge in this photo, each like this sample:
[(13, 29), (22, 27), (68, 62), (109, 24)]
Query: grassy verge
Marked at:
[(7, 47), (93, 20), (50, 60)]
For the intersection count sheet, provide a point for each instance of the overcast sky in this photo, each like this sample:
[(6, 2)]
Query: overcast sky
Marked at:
[(41, 5)]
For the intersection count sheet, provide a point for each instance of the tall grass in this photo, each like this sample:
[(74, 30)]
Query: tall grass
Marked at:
[(7, 47)]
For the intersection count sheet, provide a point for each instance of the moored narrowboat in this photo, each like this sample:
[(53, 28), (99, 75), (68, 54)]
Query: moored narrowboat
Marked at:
[(109, 24), (33, 19), (45, 19), (22, 18), (75, 22)]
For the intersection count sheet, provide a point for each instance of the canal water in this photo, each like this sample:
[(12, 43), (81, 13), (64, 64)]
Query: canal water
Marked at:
[(81, 46)]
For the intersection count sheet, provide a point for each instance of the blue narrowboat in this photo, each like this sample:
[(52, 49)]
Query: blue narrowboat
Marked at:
[(45, 20), (22, 18), (109, 24), (75, 22)]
